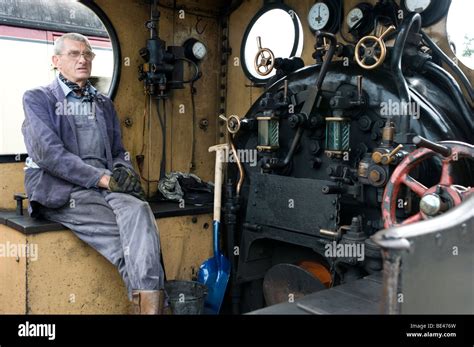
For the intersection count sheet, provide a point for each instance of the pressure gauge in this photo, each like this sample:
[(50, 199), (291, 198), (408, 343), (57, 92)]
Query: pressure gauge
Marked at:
[(354, 16), (194, 50), (360, 20), (417, 5), (199, 50), (325, 15), (431, 11), (318, 16)]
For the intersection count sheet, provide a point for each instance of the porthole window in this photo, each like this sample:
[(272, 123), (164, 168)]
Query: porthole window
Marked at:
[(28, 30), (460, 35), (279, 29)]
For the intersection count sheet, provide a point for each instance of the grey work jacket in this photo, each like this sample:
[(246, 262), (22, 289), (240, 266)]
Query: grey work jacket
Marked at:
[(51, 142)]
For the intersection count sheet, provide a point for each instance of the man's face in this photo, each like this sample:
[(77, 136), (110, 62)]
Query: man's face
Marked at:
[(76, 69)]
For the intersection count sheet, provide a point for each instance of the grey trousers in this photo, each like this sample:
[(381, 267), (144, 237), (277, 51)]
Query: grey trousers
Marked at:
[(120, 227)]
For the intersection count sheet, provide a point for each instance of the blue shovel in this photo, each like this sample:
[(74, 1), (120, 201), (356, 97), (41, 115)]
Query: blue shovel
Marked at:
[(214, 272)]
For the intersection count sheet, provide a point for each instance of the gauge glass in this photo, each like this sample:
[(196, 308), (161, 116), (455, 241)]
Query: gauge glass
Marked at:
[(417, 5), (354, 16), (318, 16), (199, 50)]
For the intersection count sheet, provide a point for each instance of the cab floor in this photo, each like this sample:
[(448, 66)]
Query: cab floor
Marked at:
[(362, 296)]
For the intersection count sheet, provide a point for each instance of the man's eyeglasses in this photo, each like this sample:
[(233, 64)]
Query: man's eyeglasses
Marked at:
[(89, 56)]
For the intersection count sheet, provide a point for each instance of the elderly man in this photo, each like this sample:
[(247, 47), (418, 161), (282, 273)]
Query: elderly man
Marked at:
[(78, 173)]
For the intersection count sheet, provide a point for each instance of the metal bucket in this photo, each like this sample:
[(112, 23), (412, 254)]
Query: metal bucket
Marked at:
[(186, 297)]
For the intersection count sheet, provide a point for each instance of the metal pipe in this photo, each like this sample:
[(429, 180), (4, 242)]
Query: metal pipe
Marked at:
[(239, 165), (411, 23), (445, 78), (435, 48), (327, 57), (391, 273), (231, 210)]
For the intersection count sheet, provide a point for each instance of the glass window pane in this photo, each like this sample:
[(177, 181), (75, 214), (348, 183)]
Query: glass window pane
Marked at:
[(276, 27)]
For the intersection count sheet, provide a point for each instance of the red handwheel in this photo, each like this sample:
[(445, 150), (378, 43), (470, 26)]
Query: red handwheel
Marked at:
[(437, 199)]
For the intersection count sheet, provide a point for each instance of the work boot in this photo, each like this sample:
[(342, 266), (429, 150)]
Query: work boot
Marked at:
[(147, 301)]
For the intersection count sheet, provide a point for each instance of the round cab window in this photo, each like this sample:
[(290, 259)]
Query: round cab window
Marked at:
[(28, 30), (461, 37), (275, 29)]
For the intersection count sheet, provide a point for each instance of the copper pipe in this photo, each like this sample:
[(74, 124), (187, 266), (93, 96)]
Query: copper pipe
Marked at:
[(239, 165)]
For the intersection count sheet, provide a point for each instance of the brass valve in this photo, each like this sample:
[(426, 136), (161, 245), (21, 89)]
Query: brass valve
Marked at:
[(386, 158), (377, 157), (376, 51), (232, 123), (264, 59)]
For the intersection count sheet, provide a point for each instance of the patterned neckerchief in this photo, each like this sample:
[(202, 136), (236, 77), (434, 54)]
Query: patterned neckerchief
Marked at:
[(88, 93)]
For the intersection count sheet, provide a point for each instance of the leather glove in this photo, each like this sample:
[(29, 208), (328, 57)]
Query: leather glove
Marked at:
[(123, 180)]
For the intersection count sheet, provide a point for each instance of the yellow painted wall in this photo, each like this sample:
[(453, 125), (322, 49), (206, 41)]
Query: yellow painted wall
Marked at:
[(11, 182), (186, 245), (12, 275), (128, 20), (69, 276), (66, 276)]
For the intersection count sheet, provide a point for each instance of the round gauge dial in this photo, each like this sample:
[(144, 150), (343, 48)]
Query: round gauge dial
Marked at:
[(194, 50), (417, 5), (360, 20), (318, 16), (354, 16), (431, 11), (199, 50)]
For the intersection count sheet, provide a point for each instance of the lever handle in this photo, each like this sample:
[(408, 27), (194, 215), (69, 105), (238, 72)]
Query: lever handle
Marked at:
[(359, 86), (388, 158), (435, 147), (389, 30), (259, 42)]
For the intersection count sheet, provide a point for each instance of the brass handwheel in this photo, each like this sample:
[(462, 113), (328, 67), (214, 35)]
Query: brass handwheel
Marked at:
[(374, 49), (232, 123), (264, 59)]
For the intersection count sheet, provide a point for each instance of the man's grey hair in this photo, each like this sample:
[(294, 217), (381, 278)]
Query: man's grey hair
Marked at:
[(59, 44)]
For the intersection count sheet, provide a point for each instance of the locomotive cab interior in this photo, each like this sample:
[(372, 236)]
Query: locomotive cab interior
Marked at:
[(343, 132)]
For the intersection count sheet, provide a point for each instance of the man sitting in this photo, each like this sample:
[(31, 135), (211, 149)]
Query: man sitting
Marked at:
[(78, 173)]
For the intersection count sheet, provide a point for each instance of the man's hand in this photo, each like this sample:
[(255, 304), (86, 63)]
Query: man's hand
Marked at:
[(104, 182), (123, 180)]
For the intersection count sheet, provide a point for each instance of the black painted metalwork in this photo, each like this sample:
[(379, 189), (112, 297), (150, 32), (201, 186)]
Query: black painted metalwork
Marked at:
[(293, 212)]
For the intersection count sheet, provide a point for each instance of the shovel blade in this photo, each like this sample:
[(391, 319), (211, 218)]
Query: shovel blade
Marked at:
[(214, 273)]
